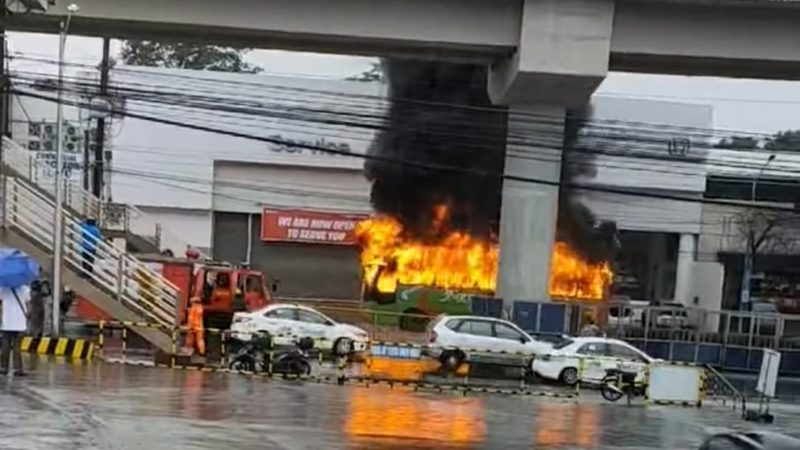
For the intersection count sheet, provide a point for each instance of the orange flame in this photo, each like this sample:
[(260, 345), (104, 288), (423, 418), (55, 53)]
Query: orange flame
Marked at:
[(462, 262)]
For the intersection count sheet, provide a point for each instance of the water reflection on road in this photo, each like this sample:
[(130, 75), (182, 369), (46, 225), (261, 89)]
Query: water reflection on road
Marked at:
[(121, 407)]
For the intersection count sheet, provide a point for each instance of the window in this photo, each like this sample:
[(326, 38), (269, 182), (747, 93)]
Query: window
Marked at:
[(476, 327), (453, 324), (504, 331), (563, 343), (311, 317), (622, 352), (592, 349), (223, 281), (253, 284), (282, 313)]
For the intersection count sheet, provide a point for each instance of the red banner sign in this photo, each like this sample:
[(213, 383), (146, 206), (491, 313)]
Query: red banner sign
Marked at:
[(309, 226)]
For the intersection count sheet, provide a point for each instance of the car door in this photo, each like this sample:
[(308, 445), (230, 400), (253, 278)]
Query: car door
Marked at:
[(474, 334), (316, 326), (279, 322), (510, 339), (593, 355), (253, 291), (627, 358)]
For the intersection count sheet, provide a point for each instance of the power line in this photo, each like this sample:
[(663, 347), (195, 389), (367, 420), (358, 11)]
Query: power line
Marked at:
[(431, 166), (623, 153)]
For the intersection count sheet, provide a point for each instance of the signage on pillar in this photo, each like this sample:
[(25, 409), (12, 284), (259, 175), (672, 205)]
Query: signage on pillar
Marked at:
[(293, 225)]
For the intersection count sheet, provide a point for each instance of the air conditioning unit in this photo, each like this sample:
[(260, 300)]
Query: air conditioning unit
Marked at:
[(71, 147), (71, 130), (34, 129), (48, 145), (36, 5), (49, 129), (34, 146)]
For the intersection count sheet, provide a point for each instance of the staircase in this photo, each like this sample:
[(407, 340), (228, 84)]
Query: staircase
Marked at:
[(118, 284), (142, 234)]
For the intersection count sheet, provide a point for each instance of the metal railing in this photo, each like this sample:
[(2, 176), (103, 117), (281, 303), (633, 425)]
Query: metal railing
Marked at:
[(112, 216), (24, 163), (116, 273)]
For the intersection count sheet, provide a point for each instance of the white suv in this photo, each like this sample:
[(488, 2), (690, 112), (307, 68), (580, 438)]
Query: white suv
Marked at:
[(472, 334)]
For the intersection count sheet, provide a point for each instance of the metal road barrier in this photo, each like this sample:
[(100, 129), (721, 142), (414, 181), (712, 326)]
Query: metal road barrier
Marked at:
[(79, 349), (705, 380)]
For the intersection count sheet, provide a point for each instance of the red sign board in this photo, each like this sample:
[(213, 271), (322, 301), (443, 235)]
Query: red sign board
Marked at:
[(293, 225)]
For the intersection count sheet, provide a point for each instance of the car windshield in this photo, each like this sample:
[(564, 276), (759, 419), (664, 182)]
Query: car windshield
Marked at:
[(563, 343)]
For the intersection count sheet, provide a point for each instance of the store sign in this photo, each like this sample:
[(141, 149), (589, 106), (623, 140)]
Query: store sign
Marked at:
[(309, 226), (317, 147)]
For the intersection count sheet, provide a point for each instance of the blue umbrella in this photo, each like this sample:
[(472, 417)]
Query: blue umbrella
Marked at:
[(16, 268)]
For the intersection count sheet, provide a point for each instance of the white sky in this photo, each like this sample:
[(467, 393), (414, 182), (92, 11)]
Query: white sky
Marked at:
[(739, 105)]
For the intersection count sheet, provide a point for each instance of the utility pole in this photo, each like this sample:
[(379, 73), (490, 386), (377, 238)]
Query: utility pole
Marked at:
[(750, 251), (100, 134), (58, 219)]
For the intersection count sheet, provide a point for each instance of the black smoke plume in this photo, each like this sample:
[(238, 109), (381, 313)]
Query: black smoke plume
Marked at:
[(440, 114), (594, 240)]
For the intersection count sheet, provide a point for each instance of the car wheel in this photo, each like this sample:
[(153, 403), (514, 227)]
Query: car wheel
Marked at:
[(451, 360), (569, 376), (243, 364), (342, 347)]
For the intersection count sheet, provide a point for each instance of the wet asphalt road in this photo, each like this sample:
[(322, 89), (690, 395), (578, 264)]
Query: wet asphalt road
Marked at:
[(104, 406)]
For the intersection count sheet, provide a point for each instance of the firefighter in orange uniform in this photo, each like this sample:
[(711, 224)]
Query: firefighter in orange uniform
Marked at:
[(195, 339)]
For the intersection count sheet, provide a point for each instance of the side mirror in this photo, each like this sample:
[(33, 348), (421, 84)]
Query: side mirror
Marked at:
[(274, 287), (523, 340)]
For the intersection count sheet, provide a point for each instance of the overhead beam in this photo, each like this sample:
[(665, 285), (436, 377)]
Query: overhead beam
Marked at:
[(727, 39), (455, 30)]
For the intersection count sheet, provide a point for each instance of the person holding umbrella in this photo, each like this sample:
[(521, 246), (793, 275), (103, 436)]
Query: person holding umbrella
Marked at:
[(17, 272)]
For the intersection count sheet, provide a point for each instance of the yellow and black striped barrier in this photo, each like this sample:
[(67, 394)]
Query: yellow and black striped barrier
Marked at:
[(340, 379), (70, 348)]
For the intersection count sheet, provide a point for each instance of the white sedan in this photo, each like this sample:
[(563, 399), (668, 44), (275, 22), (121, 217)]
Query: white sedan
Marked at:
[(287, 323), (586, 359)]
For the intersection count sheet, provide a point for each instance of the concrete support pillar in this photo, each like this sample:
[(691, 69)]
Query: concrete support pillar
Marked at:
[(685, 269), (561, 58), (528, 213)]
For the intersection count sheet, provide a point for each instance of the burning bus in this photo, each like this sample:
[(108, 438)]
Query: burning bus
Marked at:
[(413, 276)]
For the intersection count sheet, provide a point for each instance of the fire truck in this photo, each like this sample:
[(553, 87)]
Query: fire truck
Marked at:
[(222, 287)]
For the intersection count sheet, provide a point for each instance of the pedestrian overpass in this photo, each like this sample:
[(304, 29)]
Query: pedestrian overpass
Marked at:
[(119, 284)]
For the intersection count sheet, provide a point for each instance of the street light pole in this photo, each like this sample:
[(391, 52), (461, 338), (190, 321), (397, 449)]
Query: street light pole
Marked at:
[(747, 274), (58, 219)]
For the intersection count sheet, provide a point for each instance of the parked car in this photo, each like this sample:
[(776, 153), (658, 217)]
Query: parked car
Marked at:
[(674, 317), (626, 314), (287, 323), (563, 362), (473, 334)]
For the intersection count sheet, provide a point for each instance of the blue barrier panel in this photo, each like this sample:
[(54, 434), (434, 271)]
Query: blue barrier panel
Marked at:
[(638, 343), (754, 362), (552, 318), (658, 350), (683, 351), (487, 306), (394, 351), (790, 362), (709, 354), (735, 358), (526, 315)]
